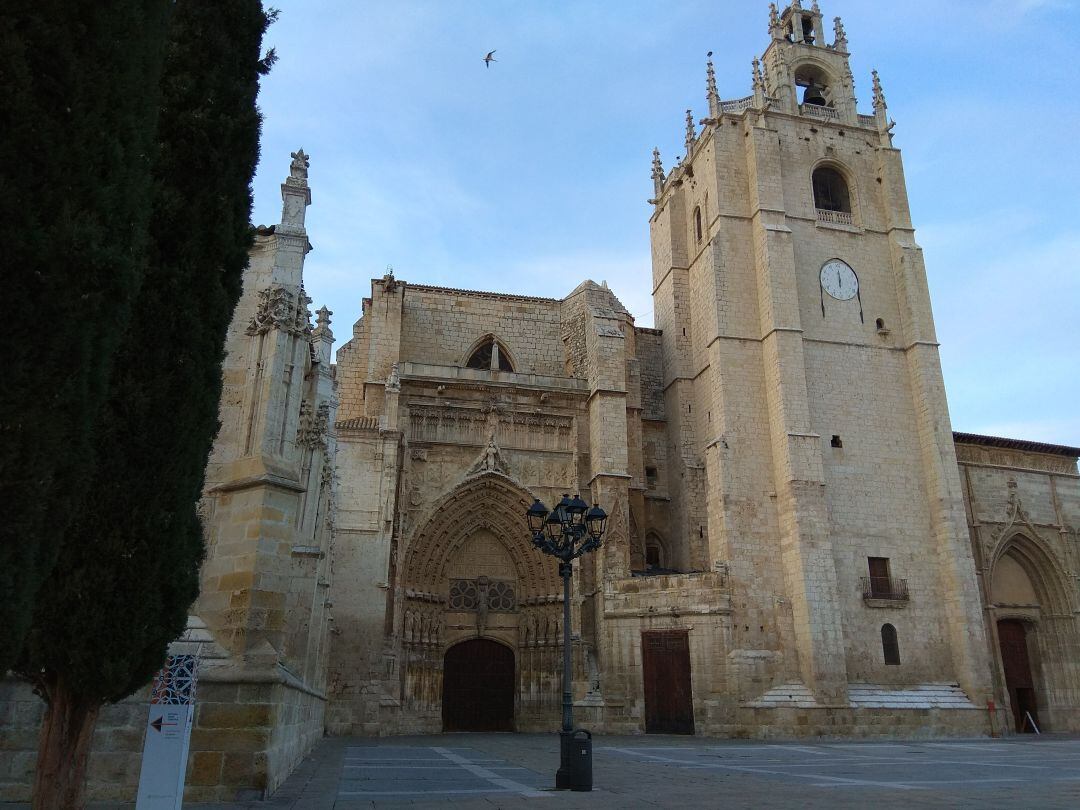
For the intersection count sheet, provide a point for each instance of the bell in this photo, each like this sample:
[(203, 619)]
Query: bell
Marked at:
[(814, 95)]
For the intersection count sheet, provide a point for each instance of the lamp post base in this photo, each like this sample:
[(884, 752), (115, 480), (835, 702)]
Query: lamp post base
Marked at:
[(575, 761)]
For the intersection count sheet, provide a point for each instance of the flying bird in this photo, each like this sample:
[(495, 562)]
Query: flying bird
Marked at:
[(489, 59)]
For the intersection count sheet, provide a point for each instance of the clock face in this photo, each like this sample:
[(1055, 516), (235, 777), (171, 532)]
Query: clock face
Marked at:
[(839, 280)]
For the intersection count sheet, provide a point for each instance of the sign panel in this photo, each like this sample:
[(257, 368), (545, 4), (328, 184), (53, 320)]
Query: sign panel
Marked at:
[(168, 731)]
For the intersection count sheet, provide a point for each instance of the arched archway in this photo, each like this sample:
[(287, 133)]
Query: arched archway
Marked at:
[(479, 686), (470, 573), (1027, 594)]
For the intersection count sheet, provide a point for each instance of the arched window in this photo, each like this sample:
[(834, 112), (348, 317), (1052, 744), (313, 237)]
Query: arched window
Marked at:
[(697, 223), (489, 355), (889, 645), (831, 190)]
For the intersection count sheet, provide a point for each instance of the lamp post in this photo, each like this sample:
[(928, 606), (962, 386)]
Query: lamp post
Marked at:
[(568, 531)]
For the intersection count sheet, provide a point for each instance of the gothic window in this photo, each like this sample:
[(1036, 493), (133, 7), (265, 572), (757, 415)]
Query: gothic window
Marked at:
[(890, 647), (484, 356), (468, 595), (831, 190), (650, 477), (697, 223), (463, 594)]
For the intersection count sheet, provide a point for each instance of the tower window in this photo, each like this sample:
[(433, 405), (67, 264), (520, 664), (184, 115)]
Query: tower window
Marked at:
[(808, 30), (697, 223), (650, 477), (837, 441), (890, 647), (489, 355), (830, 190)]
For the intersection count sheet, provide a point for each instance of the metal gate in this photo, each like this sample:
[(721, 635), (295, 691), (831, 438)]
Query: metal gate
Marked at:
[(478, 687), (1012, 637), (665, 664)]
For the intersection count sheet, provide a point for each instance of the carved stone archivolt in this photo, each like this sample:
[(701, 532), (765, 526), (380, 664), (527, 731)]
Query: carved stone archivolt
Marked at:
[(279, 308), (488, 501)]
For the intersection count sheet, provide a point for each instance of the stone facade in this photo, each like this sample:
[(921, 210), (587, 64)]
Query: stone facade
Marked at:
[(793, 522)]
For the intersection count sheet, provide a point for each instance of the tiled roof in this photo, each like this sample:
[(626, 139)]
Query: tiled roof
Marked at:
[(1016, 444)]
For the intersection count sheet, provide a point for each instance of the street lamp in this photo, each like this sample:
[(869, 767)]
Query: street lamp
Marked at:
[(569, 530)]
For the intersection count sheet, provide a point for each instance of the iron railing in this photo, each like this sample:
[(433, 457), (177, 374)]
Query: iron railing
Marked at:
[(885, 588)]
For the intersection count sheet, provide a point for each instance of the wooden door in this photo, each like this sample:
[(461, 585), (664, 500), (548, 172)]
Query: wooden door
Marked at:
[(1012, 636), (665, 664), (478, 687)]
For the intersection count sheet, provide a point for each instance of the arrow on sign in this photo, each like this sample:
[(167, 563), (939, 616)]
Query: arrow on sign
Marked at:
[(157, 724)]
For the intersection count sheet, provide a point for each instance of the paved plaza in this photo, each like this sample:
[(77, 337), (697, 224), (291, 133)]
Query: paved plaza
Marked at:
[(517, 770)]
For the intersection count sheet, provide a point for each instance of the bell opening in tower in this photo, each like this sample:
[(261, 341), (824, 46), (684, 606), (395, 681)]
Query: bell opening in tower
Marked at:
[(816, 86)]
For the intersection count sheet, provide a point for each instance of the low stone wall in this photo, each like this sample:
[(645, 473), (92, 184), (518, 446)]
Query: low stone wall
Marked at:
[(247, 738)]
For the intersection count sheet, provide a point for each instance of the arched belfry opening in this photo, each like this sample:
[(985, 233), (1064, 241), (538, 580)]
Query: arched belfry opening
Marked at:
[(817, 86), (488, 608), (831, 191)]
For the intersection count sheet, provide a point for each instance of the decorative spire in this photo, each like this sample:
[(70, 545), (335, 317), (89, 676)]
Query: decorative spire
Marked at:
[(710, 88), (298, 169), (840, 41), (691, 131), (796, 5), (879, 96), (322, 322), (774, 22), (815, 9), (658, 177), (759, 84), (295, 194)]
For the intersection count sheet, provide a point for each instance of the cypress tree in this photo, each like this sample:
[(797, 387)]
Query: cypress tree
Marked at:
[(78, 107), (128, 569)]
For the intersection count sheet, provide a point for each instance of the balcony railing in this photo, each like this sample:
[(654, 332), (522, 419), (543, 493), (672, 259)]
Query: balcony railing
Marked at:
[(819, 111), (737, 105), (885, 588), (867, 121), (835, 217)]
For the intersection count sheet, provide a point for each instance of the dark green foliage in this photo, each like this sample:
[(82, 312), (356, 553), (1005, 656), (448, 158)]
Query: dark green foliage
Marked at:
[(128, 570), (78, 108)]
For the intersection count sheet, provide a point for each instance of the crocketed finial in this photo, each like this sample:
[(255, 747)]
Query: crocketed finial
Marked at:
[(840, 40), (774, 22), (710, 89), (298, 169), (691, 130), (758, 79), (658, 177), (879, 96), (815, 9)]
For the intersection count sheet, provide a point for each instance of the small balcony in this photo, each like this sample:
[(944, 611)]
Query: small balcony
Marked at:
[(835, 217), (884, 589)]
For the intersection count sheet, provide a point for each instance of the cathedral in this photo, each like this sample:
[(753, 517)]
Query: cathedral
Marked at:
[(798, 542)]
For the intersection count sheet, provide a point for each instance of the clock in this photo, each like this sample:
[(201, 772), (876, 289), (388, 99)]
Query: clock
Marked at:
[(839, 280)]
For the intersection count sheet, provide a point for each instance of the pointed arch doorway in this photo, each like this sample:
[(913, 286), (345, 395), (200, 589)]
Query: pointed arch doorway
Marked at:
[(1012, 637), (478, 687)]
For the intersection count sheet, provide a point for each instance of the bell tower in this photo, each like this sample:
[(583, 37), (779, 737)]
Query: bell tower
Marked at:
[(803, 390)]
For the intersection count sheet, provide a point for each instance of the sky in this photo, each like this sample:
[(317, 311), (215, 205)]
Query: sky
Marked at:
[(532, 175)]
